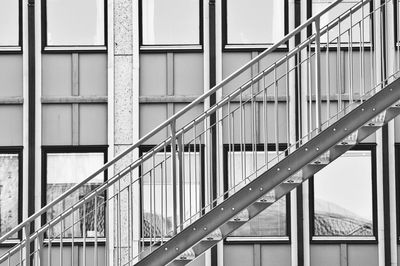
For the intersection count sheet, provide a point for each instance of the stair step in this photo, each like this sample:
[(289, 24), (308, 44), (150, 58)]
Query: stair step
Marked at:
[(350, 140), (230, 226), (215, 235), (270, 197), (296, 178), (322, 160), (184, 258), (242, 216)]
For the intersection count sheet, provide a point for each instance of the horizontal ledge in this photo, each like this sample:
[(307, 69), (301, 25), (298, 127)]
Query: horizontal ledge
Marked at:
[(343, 238), (11, 100), (168, 99), (170, 47), (10, 49), (74, 99), (257, 239), (76, 48)]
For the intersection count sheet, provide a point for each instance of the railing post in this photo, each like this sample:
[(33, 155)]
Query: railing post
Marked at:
[(318, 120), (27, 245), (173, 173), (181, 181), (40, 249)]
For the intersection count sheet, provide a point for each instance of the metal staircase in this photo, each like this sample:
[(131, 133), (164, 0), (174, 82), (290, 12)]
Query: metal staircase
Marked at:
[(170, 203)]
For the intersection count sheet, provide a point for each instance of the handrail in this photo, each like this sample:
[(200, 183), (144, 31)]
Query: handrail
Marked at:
[(171, 120)]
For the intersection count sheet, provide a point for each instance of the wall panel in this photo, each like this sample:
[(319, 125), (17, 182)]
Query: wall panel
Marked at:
[(10, 75)]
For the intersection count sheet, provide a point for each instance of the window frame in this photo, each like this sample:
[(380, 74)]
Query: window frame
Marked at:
[(348, 239), (344, 46), (263, 239), (72, 48), (231, 47), (77, 241), (18, 150), (171, 47), (397, 180), (15, 49), (200, 148)]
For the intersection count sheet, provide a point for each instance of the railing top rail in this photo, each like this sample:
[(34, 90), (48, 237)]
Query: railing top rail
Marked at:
[(173, 118)]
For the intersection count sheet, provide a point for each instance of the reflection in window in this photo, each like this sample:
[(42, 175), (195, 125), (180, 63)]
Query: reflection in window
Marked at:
[(9, 23), (272, 221), (357, 18), (9, 198), (64, 170), (75, 22), (343, 196), (255, 21), (157, 192), (172, 22)]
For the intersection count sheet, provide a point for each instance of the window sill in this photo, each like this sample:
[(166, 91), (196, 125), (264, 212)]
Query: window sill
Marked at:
[(261, 239), (73, 49), (10, 49), (171, 48), (343, 239), (251, 47)]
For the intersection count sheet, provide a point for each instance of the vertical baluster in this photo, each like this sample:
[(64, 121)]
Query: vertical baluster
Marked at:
[(309, 89), (253, 124), (173, 173), (61, 242), (318, 120), (72, 237), (328, 85), (241, 139), (27, 245), (265, 119), (95, 232), (196, 203), (276, 115), (84, 234), (287, 102), (181, 180), (351, 59)]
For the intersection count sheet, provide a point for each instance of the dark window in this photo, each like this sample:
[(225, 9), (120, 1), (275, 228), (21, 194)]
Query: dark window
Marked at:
[(157, 205), (9, 24), (359, 20), (10, 189), (270, 224), (343, 198), (256, 22), (171, 23), (63, 170), (75, 24)]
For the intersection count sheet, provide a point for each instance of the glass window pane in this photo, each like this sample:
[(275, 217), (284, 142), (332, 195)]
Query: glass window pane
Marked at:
[(358, 16), (157, 193), (170, 22), (75, 22), (272, 221), (63, 171), (255, 21), (9, 197), (9, 23), (343, 196)]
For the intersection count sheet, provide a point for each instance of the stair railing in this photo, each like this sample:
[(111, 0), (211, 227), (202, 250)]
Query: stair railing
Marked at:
[(172, 177)]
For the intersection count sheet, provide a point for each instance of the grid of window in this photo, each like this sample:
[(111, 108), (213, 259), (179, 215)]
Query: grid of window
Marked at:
[(343, 198), (9, 23), (255, 22), (360, 19), (170, 23), (157, 205), (64, 170), (270, 223), (9, 190), (75, 23)]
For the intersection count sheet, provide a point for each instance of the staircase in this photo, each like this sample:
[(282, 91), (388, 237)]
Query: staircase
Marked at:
[(170, 204)]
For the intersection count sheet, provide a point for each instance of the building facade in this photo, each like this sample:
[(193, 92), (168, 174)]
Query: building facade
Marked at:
[(81, 81)]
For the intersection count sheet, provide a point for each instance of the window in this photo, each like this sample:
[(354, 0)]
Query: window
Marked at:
[(75, 24), (65, 167), (157, 191), (343, 198), (360, 20), (255, 23), (10, 188), (168, 24), (271, 224), (9, 25)]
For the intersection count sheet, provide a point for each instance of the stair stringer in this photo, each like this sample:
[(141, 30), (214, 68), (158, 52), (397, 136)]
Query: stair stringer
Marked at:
[(298, 160)]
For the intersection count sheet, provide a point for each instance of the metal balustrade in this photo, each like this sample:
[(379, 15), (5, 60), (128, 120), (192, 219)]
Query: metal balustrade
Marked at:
[(170, 203)]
